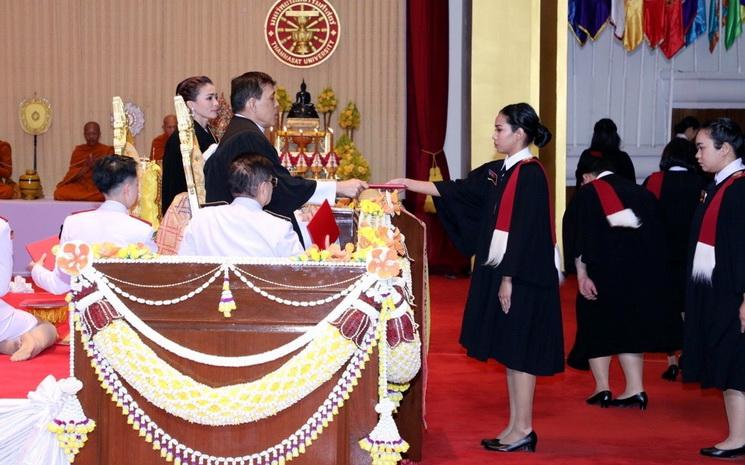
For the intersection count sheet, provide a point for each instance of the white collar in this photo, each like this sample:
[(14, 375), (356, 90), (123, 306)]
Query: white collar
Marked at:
[(733, 166), (514, 159), (113, 206), (681, 135), (254, 122), (677, 168), (603, 174), (247, 203)]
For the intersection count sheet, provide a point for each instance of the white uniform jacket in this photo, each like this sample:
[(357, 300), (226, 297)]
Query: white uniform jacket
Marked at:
[(110, 222), (241, 229)]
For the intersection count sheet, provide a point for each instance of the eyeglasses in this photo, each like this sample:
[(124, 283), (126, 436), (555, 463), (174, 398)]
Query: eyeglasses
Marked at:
[(273, 180)]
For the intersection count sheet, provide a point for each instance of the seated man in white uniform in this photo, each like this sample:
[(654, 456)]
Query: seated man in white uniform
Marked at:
[(243, 228), (116, 177), (22, 335)]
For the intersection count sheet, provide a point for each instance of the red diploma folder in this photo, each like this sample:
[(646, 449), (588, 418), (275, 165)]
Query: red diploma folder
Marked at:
[(44, 246), (322, 226)]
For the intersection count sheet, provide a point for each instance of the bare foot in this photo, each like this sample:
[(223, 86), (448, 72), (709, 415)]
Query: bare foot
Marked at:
[(23, 353)]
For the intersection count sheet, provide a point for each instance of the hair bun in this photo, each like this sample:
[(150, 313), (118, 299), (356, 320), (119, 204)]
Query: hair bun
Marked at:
[(542, 136)]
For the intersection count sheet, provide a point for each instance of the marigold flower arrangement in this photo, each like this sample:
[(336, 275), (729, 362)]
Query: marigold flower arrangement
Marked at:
[(283, 99), (326, 101), (349, 119), (352, 163), (284, 102)]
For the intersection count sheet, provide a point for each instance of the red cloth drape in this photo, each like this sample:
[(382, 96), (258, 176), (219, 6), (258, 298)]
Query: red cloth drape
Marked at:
[(427, 102)]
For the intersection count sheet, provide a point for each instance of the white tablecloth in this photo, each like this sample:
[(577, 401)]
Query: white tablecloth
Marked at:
[(33, 220)]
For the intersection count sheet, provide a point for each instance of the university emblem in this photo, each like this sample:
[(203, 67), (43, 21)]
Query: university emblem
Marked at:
[(302, 33)]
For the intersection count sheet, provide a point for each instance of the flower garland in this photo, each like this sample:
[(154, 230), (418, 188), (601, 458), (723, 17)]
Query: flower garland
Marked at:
[(172, 450), (182, 396), (117, 351), (215, 360)]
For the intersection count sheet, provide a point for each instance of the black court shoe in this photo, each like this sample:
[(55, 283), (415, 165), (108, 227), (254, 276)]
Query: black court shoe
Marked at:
[(639, 399), (671, 373), (602, 398), (526, 444), (491, 442), (722, 453)]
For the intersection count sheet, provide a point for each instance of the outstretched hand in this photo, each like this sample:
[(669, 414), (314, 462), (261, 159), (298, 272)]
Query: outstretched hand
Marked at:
[(350, 188)]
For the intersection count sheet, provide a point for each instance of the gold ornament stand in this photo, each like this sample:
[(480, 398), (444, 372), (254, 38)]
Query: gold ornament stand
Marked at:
[(35, 115)]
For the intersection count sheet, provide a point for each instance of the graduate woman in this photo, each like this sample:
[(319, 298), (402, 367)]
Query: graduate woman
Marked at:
[(714, 342), (678, 187), (501, 214)]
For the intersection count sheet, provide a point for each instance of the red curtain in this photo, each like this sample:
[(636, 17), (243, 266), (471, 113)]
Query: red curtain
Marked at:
[(426, 121)]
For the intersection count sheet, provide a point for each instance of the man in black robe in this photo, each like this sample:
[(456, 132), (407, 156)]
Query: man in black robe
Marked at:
[(622, 277), (255, 108)]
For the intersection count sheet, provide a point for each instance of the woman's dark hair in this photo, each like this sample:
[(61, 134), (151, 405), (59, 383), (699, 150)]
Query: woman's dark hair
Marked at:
[(189, 87), (679, 152), (723, 130), (111, 171), (248, 85), (522, 115), (605, 136), (685, 123), (246, 172)]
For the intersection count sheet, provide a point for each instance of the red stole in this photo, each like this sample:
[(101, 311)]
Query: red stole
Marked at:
[(704, 258), (498, 246), (654, 183), (615, 212)]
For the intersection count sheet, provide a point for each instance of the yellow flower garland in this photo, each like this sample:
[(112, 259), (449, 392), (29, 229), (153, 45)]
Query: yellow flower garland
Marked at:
[(182, 396)]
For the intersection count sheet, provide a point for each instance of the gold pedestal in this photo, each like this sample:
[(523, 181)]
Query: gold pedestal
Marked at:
[(30, 185)]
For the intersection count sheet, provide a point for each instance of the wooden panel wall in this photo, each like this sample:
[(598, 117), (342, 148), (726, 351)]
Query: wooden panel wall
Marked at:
[(79, 53)]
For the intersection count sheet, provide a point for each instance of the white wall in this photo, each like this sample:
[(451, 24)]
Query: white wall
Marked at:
[(638, 90)]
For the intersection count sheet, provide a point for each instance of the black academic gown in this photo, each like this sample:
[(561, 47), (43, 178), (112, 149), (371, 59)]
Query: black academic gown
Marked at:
[(714, 349), (679, 197), (529, 337), (174, 178), (631, 314), (242, 136), (619, 160)]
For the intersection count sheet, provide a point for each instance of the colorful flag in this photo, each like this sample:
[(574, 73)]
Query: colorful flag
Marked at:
[(733, 23), (674, 38), (591, 15), (634, 31), (698, 27), (714, 6), (689, 13), (579, 34), (654, 21)]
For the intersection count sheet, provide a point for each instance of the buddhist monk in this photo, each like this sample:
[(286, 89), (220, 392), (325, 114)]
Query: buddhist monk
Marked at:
[(159, 143), (6, 170), (78, 182)]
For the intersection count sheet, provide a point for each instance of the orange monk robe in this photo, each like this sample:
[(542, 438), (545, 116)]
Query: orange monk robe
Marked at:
[(6, 170), (78, 182), (158, 147)]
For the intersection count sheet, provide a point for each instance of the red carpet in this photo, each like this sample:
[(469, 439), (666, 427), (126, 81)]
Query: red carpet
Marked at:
[(467, 401)]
